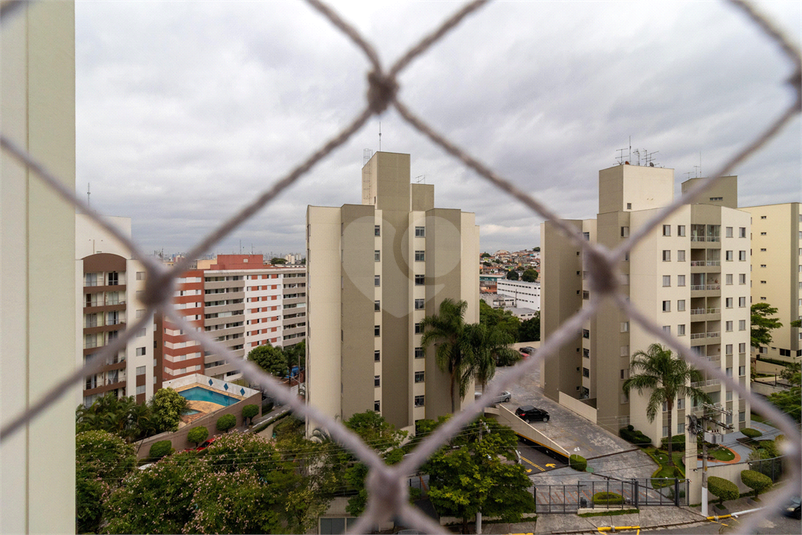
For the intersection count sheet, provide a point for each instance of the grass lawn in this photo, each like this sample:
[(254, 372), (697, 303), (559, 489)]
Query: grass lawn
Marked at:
[(722, 454), (661, 458)]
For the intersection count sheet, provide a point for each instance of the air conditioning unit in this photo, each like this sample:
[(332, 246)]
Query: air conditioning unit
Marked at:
[(714, 438)]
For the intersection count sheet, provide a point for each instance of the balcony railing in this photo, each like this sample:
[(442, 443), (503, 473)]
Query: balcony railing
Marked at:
[(695, 311), (697, 287), (713, 334), (713, 287), (709, 382), (697, 336), (713, 262), (697, 263)]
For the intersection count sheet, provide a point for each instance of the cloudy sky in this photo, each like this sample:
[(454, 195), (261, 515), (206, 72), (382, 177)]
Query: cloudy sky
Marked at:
[(187, 110)]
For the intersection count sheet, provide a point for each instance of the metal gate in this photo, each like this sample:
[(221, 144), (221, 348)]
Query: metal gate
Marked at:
[(610, 494)]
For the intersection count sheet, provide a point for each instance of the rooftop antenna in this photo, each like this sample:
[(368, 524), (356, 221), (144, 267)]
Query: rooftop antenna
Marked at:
[(420, 179), (88, 200), (698, 170), (366, 156), (380, 136), (700, 163), (649, 158), (637, 152)]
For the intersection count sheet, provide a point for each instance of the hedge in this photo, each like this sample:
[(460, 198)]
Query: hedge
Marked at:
[(755, 481), (577, 462), (226, 422), (160, 449), (198, 434), (677, 443), (250, 411), (607, 498), (633, 436), (723, 489), (751, 433)]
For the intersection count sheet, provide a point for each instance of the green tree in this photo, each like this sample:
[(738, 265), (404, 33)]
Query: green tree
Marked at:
[(167, 406), (226, 422), (657, 371), (788, 400), (512, 275), (446, 330), (249, 412), (529, 331), (485, 255), (476, 472), (270, 359), (121, 416), (536, 249), (529, 275), (797, 323), (497, 318), (296, 355), (198, 434), (488, 346), (763, 324), (277, 261)]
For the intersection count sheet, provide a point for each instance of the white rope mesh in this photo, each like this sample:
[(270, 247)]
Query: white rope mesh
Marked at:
[(387, 485)]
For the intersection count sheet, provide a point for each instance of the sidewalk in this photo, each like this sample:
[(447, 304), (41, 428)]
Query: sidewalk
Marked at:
[(648, 517)]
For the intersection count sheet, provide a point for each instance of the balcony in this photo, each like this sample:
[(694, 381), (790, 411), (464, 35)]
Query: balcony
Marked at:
[(709, 382)]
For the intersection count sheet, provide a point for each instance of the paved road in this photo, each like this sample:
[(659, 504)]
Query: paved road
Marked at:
[(536, 461)]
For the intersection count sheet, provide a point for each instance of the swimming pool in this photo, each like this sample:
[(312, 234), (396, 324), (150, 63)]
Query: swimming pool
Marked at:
[(197, 393)]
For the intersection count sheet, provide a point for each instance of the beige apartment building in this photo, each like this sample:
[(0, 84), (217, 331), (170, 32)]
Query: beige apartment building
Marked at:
[(777, 274), (690, 275), (108, 283), (375, 270)]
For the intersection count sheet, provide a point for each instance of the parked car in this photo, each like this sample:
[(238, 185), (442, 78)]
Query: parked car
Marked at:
[(792, 508), (503, 397), (206, 444), (528, 413), (528, 349)]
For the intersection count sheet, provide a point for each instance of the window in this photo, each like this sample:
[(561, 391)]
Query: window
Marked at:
[(742, 302), (762, 249), (419, 256), (742, 347), (728, 371), (624, 326), (742, 278), (665, 430), (418, 377), (419, 280), (741, 325), (586, 235), (140, 370), (377, 355), (629, 206), (728, 278), (585, 372), (418, 328), (419, 304), (681, 230), (91, 279), (585, 333), (742, 232), (762, 233), (680, 280), (141, 351), (419, 401), (681, 305), (728, 349), (728, 256), (625, 232), (666, 230), (377, 255), (728, 232), (377, 405), (666, 255), (742, 256), (377, 380), (140, 389), (420, 232), (681, 255), (667, 329), (728, 302), (666, 306), (141, 332), (377, 306), (666, 280), (419, 353), (624, 351), (762, 265), (681, 330), (680, 404), (377, 330), (140, 275), (728, 326), (377, 230), (377, 280), (741, 371)]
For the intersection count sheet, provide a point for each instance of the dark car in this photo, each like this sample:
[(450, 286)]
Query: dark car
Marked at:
[(528, 413), (792, 508)]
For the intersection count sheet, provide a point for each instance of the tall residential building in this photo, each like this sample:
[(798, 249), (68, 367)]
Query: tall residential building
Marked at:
[(526, 294), (375, 270), (37, 271), (243, 303), (690, 275), (777, 273), (108, 282)]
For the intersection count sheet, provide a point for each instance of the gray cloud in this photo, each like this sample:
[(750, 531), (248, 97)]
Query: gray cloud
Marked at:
[(186, 111)]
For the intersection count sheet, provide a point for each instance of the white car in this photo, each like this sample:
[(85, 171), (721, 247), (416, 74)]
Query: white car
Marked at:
[(504, 397)]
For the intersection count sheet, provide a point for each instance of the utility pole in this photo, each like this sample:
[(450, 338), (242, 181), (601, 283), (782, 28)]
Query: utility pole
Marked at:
[(713, 437)]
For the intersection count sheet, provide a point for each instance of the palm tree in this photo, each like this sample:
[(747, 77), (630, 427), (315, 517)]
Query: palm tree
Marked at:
[(447, 330), (488, 346), (667, 377)]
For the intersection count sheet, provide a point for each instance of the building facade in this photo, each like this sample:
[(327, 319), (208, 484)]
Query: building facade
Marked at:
[(375, 270), (777, 274), (525, 294), (109, 281), (690, 275), (243, 303)]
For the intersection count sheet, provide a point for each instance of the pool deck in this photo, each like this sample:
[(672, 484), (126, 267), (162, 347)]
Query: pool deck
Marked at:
[(204, 407)]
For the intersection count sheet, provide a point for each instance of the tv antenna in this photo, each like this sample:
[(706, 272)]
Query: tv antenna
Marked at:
[(88, 200), (649, 157), (620, 157), (367, 154), (420, 179)]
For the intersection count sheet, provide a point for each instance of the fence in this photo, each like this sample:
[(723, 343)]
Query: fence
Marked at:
[(611, 494), (387, 486)]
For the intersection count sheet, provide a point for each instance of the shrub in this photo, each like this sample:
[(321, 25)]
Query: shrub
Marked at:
[(226, 422), (751, 433), (577, 462), (607, 498), (633, 436), (198, 434), (160, 449), (677, 443), (755, 481), (250, 411), (723, 489)]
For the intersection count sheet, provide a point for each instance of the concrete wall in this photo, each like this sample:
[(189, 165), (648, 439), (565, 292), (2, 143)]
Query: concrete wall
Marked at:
[(582, 409), (179, 438)]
